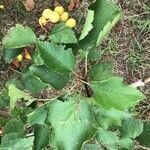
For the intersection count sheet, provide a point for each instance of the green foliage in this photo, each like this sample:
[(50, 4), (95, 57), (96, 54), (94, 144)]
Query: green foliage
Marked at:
[(144, 138), (106, 15), (14, 126), (38, 116), (108, 118), (62, 34), (33, 83), (41, 134), (131, 128), (75, 118), (70, 120), (19, 143), (17, 95), (88, 24), (4, 98), (112, 93), (23, 35), (55, 79), (101, 71), (56, 57), (10, 54)]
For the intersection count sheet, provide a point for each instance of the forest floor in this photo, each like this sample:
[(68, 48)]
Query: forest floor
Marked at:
[(128, 45)]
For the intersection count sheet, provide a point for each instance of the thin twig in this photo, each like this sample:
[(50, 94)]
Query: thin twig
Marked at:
[(69, 92), (86, 64), (15, 70)]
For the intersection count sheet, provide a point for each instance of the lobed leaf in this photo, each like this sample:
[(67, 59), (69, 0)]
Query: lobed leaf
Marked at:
[(48, 76), (19, 36), (62, 34), (106, 15), (131, 128), (112, 93), (56, 57), (88, 24), (16, 94), (72, 123)]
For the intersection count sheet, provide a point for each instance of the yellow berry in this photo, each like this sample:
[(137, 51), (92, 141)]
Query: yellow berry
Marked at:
[(71, 23), (59, 9), (54, 17), (46, 13), (64, 16), (20, 57), (42, 21), (2, 7), (27, 56)]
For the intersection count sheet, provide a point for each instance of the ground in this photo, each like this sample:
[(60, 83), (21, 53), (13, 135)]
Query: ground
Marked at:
[(128, 45)]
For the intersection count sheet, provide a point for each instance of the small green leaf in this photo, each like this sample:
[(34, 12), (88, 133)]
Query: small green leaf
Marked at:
[(38, 116), (62, 34), (12, 136), (71, 122), (107, 138), (108, 118), (131, 128), (19, 36), (126, 143), (101, 71), (144, 138), (16, 94), (10, 54), (36, 58), (112, 93), (55, 79), (92, 147), (106, 15), (18, 144), (4, 98), (41, 140), (95, 55), (14, 125), (33, 83), (88, 24), (56, 57)]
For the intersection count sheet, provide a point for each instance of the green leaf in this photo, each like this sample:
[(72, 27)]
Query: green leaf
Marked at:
[(38, 116), (36, 58), (95, 55), (106, 15), (33, 83), (55, 79), (107, 138), (16, 94), (62, 34), (144, 138), (71, 122), (88, 24), (10, 54), (19, 36), (131, 128), (101, 71), (41, 140), (18, 144), (112, 93), (108, 118), (126, 143), (14, 125), (4, 98), (92, 147), (56, 57), (12, 136)]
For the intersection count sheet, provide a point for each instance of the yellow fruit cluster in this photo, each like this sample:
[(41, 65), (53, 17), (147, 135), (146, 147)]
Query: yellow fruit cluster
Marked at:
[(59, 14)]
